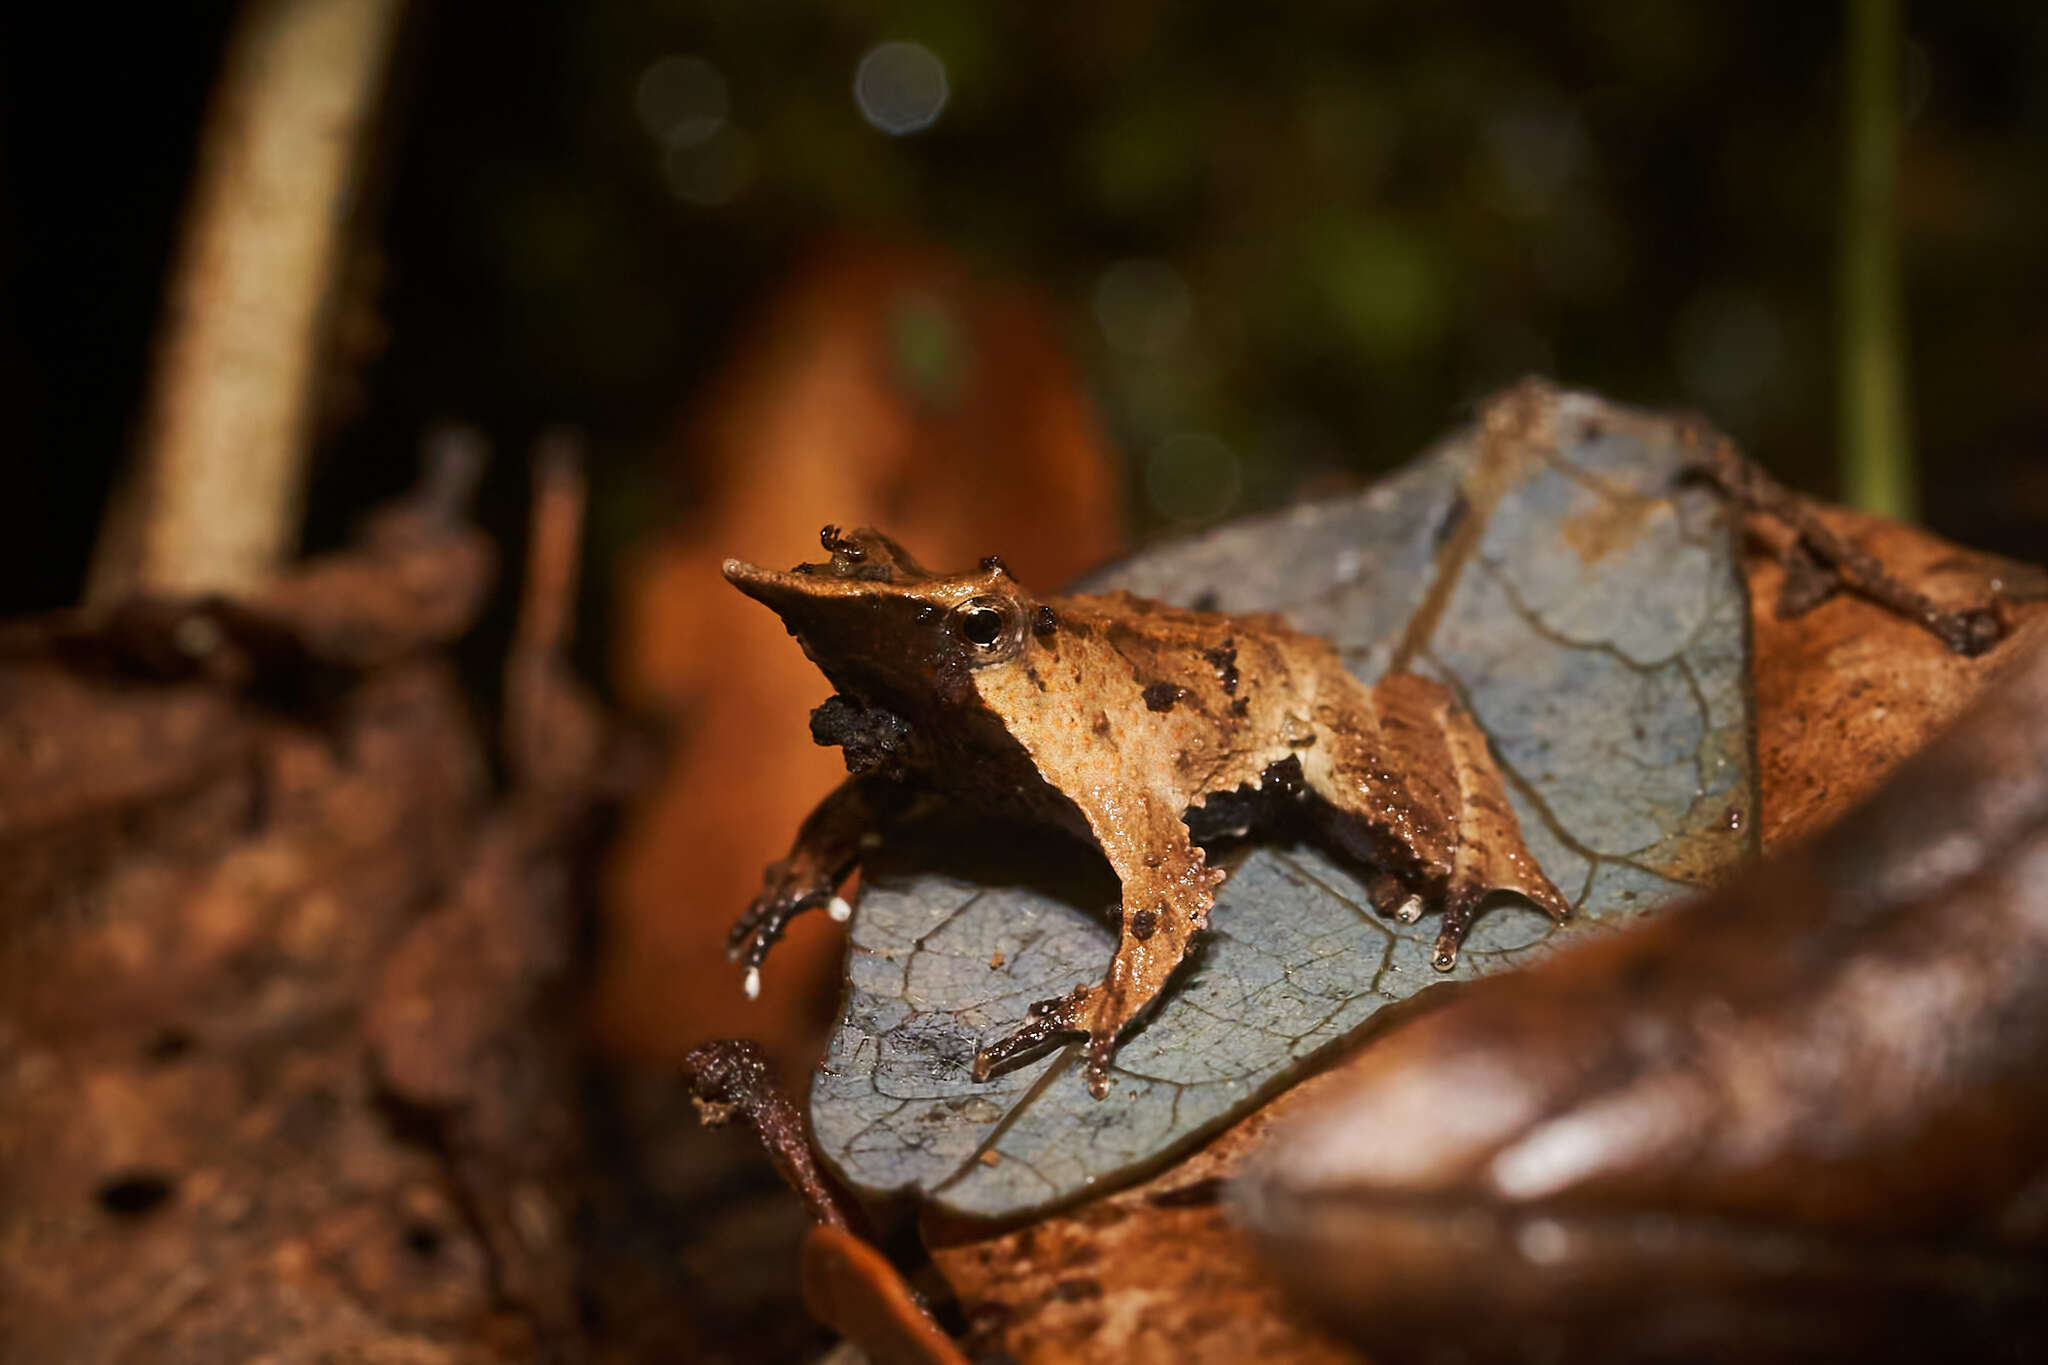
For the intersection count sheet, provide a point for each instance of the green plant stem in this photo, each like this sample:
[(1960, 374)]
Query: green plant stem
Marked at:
[(1876, 446)]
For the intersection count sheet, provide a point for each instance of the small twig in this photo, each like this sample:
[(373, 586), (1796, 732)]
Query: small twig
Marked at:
[(732, 1081)]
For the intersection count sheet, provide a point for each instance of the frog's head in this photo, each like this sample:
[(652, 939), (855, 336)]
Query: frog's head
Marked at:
[(889, 633)]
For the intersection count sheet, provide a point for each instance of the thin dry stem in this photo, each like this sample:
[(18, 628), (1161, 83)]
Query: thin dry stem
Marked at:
[(212, 502)]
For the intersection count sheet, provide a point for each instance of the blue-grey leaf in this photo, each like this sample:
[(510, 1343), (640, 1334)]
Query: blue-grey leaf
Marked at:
[(1587, 606)]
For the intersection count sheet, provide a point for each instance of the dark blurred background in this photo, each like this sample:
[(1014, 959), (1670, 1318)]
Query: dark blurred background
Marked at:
[(1287, 245)]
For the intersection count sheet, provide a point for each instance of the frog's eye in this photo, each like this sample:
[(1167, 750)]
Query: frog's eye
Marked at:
[(982, 626), (986, 625)]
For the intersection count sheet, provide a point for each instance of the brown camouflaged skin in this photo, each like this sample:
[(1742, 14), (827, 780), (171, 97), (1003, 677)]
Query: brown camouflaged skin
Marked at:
[(1117, 716)]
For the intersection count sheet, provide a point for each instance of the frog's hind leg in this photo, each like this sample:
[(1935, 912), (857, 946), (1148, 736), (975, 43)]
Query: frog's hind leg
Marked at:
[(1489, 855), (1411, 790)]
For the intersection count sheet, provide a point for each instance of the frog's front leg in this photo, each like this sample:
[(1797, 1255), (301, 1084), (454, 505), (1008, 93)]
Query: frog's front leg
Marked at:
[(1167, 891), (829, 845)]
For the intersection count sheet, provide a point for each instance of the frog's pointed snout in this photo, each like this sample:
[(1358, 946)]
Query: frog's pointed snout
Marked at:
[(799, 598), (765, 586)]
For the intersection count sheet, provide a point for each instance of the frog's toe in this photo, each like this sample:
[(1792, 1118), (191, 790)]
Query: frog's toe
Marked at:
[(1444, 955), (1463, 904), (782, 899), (1460, 909), (1101, 1050), (768, 927), (1045, 1023), (1392, 895)]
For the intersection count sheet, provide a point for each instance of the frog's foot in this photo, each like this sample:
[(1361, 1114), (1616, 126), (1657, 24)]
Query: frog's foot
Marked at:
[(1463, 902), (1393, 895), (1046, 1022), (1459, 913), (788, 888), (1490, 855), (1817, 561), (1101, 1051)]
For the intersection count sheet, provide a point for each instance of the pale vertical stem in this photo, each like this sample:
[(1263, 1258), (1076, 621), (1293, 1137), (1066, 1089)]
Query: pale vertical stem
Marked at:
[(1876, 443), (213, 498)]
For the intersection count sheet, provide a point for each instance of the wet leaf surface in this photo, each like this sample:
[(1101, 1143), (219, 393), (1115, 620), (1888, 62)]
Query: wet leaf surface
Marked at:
[(1588, 610)]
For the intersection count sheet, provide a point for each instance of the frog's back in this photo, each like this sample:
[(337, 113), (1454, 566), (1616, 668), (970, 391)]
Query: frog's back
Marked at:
[(1130, 614), (1125, 692), (1235, 666)]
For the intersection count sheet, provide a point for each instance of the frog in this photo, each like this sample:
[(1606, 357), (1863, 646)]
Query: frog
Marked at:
[(1144, 729)]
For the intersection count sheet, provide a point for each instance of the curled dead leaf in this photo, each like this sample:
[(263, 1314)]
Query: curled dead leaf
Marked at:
[(852, 1288)]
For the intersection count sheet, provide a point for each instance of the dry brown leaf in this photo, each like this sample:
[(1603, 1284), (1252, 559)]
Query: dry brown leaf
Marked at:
[(1156, 1273)]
